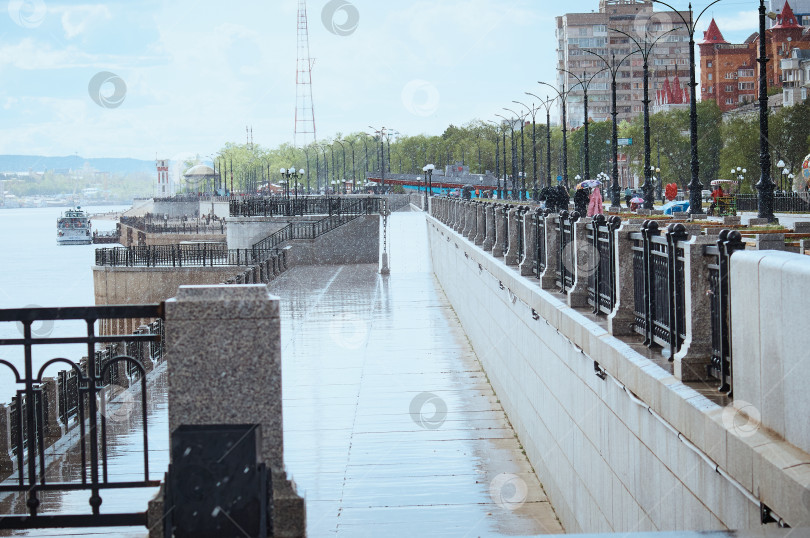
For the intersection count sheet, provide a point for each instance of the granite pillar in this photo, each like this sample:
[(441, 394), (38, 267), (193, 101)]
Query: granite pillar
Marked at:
[(215, 360), (6, 465), (500, 232), (583, 264), (480, 224), (620, 321), (465, 229), (489, 218), (473, 221), (213, 350), (548, 280), (529, 242), (696, 351), (511, 257)]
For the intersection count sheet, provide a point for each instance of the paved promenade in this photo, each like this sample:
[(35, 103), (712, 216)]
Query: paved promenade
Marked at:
[(391, 427)]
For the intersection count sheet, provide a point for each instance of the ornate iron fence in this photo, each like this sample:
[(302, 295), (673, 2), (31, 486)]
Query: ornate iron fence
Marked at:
[(601, 266), (84, 394), (720, 368), (567, 250), (540, 253), (659, 280), (782, 203), (519, 221)]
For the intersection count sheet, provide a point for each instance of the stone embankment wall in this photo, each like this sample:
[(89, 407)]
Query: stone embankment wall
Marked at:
[(620, 444)]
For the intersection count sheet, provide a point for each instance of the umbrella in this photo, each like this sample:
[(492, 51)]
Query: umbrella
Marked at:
[(589, 183), (637, 200), (722, 181)]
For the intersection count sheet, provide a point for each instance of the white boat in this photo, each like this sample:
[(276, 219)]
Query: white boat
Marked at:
[(74, 228)]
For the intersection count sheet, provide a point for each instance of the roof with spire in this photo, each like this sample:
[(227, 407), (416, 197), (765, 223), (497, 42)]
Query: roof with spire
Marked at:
[(786, 19), (713, 35)]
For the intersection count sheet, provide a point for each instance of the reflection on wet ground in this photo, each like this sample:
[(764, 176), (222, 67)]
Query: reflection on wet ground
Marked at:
[(125, 463), (390, 425)]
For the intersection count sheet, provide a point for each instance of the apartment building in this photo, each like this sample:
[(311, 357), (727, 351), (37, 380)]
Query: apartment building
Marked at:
[(614, 31)]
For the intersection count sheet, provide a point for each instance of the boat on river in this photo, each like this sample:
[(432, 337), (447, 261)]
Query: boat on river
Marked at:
[(74, 228)]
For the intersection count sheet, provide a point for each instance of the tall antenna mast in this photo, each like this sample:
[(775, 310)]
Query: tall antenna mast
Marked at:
[(304, 108)]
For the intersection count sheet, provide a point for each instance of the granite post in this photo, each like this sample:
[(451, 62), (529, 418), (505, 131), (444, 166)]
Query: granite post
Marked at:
[(511, 257), (696, 351), (620, 321), (583, 264), (472, 224), (500, 232), (215, 360), (548, 279), (480, 221), (529, 242), (489, 240)]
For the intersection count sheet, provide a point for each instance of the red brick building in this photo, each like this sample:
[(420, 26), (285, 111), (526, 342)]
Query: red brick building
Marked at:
[(729, 73)]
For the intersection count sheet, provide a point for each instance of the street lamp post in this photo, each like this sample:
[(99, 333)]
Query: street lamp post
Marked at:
[(428, 170), (613, 67), (522, 117), (344, 165), (497, 160), (645, 48), (533, 111), (585, 82), (354, 170), (765, 185), (563, 96), (512, 146), (547, 104), (695, 187)]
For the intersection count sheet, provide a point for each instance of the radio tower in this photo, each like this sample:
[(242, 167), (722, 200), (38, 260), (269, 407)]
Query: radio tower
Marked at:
[(304, 108)]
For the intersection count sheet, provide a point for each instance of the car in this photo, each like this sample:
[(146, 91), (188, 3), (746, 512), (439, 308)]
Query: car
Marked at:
[(706, 194)]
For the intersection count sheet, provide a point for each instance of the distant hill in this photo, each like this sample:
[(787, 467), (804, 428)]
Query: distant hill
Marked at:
[(39, 163)]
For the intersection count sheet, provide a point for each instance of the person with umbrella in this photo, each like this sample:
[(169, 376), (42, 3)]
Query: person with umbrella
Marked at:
[(581, 199), (595, 206), (636, 202)]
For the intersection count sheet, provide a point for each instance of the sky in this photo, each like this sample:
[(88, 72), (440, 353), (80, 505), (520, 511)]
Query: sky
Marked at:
[(148, 78)]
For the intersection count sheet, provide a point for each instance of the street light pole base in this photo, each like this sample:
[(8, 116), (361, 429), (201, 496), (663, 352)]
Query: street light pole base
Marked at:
[(384, 269)]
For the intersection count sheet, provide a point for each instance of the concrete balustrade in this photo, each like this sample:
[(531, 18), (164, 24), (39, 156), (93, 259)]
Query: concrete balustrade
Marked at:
[(634, 448)]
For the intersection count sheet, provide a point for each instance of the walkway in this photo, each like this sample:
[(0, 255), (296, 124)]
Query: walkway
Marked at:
[(391, 427)]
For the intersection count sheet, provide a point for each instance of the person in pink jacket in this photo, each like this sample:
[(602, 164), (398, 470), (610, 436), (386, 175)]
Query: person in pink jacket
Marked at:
[(595, 205)]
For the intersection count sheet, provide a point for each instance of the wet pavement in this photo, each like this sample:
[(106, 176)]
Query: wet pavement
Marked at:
[(390, 425)]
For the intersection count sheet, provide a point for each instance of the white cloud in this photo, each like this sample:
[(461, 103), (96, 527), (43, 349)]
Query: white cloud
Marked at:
[(77, 19)]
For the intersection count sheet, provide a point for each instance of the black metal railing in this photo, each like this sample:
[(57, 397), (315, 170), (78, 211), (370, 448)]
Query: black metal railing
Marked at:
[(720, 368), (659, 279), (540, 253), (193, 255), (506, 230), (175, 226), (87, 383), (313, 229), (601, 267), (519, 220), (305, 205), (566, 275), (782, 203)]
